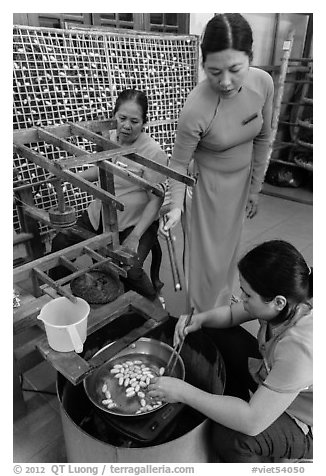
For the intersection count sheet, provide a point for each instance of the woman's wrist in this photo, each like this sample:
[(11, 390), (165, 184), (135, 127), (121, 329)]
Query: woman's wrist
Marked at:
[(201, 317), (135, 234), (180, 390), (168, 208), (186, 393)]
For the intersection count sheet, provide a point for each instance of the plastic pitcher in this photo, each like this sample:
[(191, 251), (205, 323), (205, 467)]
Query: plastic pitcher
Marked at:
[(65, 323)]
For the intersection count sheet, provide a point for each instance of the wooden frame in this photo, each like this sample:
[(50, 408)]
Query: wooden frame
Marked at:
[(104, 247), (140, 21), (91, 130), (75, 367)]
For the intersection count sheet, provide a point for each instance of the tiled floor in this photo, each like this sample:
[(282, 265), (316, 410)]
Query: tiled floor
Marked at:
[(37, 430)]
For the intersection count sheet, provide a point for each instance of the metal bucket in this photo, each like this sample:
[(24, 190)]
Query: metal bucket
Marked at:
[(190, 443), (82, 447)]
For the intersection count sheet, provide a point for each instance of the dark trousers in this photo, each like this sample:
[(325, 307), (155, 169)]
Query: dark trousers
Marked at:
[(137, 280), (283, 439)]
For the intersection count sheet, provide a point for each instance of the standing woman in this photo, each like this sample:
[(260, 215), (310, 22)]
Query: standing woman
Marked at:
[(225, 127)]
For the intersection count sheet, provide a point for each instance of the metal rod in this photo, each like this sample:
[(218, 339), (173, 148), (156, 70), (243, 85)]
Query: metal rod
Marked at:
[(291, 164), (173, 259), (287, 123), (175, 354), (298, 103), (305, 124), (309, 60), (304, 144), (299, 81)]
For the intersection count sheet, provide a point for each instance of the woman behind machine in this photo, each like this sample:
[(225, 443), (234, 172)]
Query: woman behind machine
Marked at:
[(138, 222), (267, 410)]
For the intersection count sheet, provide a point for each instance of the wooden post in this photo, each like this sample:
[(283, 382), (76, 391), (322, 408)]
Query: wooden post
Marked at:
[(60, 290), (35, 246), (109, 211), (287, 48), (60, 197)]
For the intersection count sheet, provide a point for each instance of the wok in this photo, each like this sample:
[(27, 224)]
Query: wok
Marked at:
[(152, 353)]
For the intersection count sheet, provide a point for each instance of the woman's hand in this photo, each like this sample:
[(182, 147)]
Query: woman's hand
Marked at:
[(252, 205), (131, 243), (181, 331), (170, 220), (167, 389)]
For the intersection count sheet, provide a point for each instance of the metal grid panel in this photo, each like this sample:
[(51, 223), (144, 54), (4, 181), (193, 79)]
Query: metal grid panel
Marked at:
[(75, 75)]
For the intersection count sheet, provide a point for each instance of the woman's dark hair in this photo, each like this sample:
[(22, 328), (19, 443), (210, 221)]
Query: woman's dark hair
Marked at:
[(132, 95), (224, 31), (277, 268)]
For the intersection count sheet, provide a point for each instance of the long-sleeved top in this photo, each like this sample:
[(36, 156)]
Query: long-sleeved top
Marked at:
[(133, 196), (230, 154)]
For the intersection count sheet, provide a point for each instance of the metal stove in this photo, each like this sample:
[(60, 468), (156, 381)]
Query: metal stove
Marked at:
[(204, 369), (150, 428)]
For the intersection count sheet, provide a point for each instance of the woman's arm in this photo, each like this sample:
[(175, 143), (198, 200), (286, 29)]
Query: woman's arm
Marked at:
[(224, 316), (149, 214), (261, 147), (262, 140), (187, 139), (150, 211), (90, 174), (219, 318), (195, 117), (249, 418)]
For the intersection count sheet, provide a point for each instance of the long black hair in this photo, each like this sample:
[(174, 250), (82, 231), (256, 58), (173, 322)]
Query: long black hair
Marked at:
[(133, 95), (225, 31), (277, 268)]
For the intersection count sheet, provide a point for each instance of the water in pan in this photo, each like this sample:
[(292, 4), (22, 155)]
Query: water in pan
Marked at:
[(122, 385)]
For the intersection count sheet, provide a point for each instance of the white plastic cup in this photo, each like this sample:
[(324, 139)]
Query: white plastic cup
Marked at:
[(65, 323)]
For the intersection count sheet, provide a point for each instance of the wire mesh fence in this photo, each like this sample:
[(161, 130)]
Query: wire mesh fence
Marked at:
[(76, 75)]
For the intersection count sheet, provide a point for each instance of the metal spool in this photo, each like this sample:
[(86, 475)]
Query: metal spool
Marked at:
[(63, 219)]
